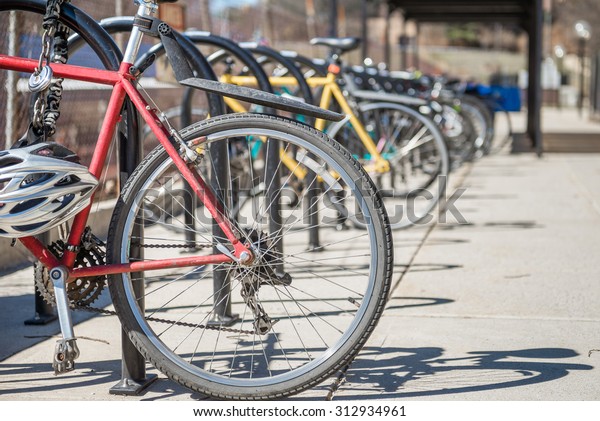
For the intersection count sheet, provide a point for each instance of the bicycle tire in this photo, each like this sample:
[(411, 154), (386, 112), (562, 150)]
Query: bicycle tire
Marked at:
[(480, 110), (239, 365), (479, 127), (398, 126), (459, 134)]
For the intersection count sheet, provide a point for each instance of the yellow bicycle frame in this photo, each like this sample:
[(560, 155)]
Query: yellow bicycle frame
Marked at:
[(331, 90)]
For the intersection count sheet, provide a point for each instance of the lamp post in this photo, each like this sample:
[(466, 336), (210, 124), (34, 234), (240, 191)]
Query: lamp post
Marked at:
[(559, 53), (583, 32), (333, 18)]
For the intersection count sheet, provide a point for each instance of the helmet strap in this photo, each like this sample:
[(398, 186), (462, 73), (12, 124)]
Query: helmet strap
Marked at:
[(31, 137)]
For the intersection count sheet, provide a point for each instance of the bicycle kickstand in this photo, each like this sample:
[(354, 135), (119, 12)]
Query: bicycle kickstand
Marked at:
[(66, 351)]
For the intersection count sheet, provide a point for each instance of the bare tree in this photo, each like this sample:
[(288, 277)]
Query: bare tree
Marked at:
[(205, 17), (267, 19)]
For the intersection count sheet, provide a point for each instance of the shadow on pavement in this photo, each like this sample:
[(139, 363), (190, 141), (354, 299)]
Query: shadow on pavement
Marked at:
[(396, 303), (503, 225), (415, 242), (18, 378), (414, 372)]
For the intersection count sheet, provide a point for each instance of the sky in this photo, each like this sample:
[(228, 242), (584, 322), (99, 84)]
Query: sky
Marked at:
[(218, 5)]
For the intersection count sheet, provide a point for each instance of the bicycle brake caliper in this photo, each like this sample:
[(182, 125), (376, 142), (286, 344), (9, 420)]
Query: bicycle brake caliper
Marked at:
[(186, 152), (66, 351)]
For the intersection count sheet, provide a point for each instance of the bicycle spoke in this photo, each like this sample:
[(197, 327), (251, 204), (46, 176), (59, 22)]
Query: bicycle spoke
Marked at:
[(279, 314)]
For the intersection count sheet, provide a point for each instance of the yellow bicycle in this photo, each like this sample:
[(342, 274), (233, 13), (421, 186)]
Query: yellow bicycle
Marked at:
[(403, 151)]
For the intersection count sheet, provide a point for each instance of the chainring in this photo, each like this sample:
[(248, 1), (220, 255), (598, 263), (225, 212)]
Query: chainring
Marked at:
[(81, 292)]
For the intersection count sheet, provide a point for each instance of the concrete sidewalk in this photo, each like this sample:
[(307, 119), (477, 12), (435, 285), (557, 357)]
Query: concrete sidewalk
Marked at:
[(504, 307)]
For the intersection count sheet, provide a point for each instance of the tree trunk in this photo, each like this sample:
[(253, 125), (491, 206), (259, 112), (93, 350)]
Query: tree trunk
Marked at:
[(267, 18), (206, 20)]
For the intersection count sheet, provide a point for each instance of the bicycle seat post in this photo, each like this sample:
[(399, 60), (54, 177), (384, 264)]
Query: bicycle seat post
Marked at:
[(146, 8)]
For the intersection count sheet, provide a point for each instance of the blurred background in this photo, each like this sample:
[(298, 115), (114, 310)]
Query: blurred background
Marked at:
[(491, 50)]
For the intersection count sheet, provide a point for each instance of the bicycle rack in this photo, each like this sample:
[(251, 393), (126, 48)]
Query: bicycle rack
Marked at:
[(133, 363), (44, 312), (312, 192), (133, 366), (231, 48)]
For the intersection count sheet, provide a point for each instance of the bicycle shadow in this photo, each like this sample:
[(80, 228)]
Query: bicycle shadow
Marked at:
[(395, 373), (15, 336), (21, 381), (29, 378), (493, 225)]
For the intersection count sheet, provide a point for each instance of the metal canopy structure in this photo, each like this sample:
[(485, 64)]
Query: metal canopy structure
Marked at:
[(513, 11), (525, 13)]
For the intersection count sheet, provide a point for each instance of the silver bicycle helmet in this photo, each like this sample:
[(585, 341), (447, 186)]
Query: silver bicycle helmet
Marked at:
[(41, 186)]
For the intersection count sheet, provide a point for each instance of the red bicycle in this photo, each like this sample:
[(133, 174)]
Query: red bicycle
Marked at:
[(244, 311)]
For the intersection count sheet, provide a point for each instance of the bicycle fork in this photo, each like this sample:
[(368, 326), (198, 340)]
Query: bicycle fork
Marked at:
[(66, 351)]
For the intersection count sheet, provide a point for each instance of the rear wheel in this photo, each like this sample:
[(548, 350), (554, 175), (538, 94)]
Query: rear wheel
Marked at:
[(415, 150), (483, 120), (459, 133), (293, 317)]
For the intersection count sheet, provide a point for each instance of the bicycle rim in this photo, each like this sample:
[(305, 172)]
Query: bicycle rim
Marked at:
[(284, 324), (417, 156)]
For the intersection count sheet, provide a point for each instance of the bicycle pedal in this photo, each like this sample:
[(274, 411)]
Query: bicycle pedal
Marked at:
[(65, 354)]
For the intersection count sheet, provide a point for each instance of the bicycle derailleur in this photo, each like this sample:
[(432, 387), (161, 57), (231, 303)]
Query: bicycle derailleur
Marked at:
[(260, 273)]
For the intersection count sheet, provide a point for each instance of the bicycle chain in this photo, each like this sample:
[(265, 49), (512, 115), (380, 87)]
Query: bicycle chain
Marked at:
[(158, 320), (155, 319), (173, 246)]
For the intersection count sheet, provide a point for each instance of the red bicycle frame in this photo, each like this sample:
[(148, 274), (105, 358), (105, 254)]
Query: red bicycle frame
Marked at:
[(121, 81)]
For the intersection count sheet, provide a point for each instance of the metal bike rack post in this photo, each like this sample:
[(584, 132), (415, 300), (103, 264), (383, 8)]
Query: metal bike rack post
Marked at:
[(311, 180), (130, 151), (44, 313), (218, 151), (87, 31), (133, 363)]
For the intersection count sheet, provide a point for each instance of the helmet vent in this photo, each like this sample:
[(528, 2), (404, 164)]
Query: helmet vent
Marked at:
[(9, 161), (68, 180), (64, 201), (30, 227), (26, 205), (35, 178)]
